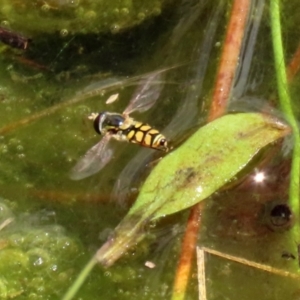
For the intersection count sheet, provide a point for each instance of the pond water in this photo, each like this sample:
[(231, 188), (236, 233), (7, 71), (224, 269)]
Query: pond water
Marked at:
[(53, 225)]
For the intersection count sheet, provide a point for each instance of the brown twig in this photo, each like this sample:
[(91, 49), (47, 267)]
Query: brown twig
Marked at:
[(66, 197), (252, 264), (31, 63), (226, 72), (229, 58), (294, 65), (201, 274), (187, 253)]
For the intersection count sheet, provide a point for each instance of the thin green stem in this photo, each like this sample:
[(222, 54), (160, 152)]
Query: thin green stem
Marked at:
[(286, 106), (80, 280)]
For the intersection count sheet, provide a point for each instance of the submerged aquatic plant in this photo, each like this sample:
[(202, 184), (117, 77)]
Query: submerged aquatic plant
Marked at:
[(34, 258), (77, 16)]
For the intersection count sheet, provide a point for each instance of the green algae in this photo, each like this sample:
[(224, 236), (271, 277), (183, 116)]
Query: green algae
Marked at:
[(77, 16), (34, 257)]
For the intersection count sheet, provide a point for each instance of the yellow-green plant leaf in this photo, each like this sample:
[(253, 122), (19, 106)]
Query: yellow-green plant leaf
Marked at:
[(205, 162), (210, 158)]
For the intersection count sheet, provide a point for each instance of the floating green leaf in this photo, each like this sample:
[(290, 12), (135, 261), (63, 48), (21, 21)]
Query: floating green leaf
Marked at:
[(204, 163)]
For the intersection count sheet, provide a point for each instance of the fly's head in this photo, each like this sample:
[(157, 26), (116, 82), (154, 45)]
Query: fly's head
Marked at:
[(107, 122)]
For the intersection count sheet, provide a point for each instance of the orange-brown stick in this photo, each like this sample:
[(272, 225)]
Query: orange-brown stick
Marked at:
[(229, 58), (222, 89), (294, 65), (187, 252), (67, 197)]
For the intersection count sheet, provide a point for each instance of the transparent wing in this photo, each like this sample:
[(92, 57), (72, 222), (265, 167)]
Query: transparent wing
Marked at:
[(93, 160), (146, 94)]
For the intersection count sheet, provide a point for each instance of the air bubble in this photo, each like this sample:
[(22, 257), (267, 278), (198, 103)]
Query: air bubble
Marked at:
[(13, 141), (45, 7), (107, 274), (73, 3), (125, 11), (64, 32), (90, 15), (29, 185), (54, 268), (3, 149), (141, 16), (20, 148), (116, 11), (115, 28), (156, 11), (16, 240), (5, 23)]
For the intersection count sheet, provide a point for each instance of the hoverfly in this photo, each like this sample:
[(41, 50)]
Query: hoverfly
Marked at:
[(122, 127)]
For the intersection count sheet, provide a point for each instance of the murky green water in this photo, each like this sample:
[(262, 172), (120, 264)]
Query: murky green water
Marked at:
[(46, 94)]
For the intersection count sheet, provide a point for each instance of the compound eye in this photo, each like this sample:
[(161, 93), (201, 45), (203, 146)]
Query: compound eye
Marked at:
[(115, 120), (97, 122)]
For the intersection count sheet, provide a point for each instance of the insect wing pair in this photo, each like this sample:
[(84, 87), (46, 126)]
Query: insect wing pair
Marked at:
[(100, 154)]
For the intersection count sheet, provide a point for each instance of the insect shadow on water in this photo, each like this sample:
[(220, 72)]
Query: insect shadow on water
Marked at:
[(122, 127)]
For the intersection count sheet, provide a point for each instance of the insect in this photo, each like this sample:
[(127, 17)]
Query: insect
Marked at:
[(122, 127), (13, 39)]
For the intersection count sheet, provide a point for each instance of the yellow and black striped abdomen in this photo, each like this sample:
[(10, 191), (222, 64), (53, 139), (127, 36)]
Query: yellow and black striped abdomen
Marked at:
[(147, 136)]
